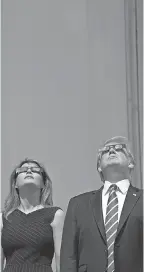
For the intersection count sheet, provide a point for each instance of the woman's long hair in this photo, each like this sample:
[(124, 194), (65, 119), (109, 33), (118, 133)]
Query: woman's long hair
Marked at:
[(12, 202)]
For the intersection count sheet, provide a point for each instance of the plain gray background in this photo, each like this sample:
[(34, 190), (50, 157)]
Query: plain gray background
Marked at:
[(63, 88)]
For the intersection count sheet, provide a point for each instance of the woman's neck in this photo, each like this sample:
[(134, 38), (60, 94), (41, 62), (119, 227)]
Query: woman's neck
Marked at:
[(29, 199), (25, 205)]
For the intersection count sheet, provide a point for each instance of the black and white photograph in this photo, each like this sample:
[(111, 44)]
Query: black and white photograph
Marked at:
[(71, 136)]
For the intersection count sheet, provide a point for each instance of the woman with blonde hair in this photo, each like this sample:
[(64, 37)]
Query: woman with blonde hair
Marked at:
[(31, 225)]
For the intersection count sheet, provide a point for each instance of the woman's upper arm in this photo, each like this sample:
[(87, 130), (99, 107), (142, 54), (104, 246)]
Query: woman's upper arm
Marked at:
[(57, 226), (58, 219), (2, 253)]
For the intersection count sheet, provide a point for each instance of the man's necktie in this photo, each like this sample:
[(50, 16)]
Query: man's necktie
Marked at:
[(111, 224)]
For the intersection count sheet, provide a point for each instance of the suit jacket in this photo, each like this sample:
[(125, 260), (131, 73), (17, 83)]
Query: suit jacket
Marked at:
[(84, 247)]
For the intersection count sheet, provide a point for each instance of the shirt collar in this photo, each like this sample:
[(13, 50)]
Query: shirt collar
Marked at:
[(123, 186)]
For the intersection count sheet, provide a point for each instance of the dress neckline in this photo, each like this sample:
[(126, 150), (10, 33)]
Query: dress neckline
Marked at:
[(30, 212)]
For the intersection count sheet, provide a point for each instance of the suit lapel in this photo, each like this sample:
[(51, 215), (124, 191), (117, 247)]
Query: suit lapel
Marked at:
[(96, 202), (130, 201)]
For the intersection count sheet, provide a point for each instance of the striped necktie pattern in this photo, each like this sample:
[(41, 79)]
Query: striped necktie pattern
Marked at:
[(111, 224)]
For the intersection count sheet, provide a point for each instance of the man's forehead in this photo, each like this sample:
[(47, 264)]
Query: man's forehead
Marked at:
[(116, 140), (113, 143)]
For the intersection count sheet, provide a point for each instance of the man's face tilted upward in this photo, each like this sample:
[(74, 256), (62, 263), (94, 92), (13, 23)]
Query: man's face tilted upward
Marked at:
[(115, 156)]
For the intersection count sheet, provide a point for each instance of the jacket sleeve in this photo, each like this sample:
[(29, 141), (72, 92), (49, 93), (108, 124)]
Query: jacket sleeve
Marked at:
[(69, 252)]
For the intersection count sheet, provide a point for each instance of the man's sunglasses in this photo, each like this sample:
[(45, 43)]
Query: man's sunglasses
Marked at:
[(116, 147), (25, 170)]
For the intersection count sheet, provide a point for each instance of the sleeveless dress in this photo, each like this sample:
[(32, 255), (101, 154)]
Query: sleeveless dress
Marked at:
[(27, 240)]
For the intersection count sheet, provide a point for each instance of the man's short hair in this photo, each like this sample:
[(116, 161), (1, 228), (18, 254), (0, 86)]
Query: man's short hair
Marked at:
[(116, 140)]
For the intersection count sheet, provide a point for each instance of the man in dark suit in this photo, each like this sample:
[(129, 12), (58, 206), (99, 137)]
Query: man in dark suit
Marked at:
[(103, 229)]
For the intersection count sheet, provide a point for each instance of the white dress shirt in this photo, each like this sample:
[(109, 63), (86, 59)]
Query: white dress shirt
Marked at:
[(123, 186)]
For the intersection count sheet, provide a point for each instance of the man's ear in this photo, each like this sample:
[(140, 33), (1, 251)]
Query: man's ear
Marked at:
[(131, 165), (99, 169)]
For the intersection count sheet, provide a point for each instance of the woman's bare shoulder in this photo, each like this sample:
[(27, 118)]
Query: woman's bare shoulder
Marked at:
[(1, 220), (58, 218)]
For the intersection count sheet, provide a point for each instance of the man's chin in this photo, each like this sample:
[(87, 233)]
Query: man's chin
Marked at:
[(112, 163)]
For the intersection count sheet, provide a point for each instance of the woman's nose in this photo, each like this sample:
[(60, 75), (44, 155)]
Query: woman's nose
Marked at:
[(29, 170)]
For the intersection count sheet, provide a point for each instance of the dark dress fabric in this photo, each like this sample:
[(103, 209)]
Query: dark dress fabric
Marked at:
[(27, 240)]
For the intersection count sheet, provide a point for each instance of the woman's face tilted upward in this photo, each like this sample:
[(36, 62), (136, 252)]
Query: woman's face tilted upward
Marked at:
[(29, 173)]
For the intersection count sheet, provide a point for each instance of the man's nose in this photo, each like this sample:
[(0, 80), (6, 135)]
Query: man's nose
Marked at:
[(112, 150)]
